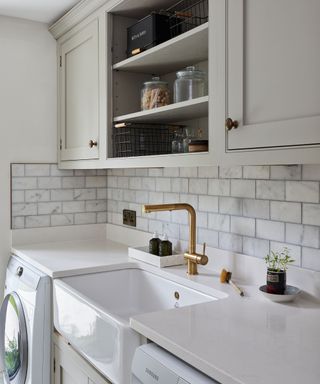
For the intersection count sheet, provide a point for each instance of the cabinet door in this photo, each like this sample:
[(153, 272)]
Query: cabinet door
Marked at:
[(79, 94), (273, 73), (66, 370)]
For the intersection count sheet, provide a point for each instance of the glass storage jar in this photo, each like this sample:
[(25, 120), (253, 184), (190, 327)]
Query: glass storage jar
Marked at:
[(190, 84), (154, 94)]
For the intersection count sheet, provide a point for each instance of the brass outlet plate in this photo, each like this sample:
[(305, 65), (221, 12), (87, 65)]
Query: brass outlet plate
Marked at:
[(129, 217)]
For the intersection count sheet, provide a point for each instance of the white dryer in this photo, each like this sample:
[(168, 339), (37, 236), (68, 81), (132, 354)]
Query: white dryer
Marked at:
[(26, 325)]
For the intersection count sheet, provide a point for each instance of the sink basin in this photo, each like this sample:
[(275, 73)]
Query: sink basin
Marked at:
[(93, 311)]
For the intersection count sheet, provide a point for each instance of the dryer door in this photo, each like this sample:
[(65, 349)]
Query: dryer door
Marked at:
[(13, 340)]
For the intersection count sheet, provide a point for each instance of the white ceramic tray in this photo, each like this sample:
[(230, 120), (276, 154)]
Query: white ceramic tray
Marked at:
[(290, 294), (142, 254)]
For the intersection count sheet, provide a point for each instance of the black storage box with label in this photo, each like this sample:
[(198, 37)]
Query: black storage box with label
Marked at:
[(147, 33)]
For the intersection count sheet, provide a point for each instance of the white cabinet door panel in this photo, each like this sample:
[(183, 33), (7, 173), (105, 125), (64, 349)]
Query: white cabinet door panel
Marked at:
[(273, 73), (79, 94)]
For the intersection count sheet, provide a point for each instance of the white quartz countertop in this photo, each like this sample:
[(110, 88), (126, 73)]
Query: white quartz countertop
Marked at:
[(234, 340)]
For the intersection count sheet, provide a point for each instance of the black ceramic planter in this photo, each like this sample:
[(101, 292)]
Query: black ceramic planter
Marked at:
[(276, 281)]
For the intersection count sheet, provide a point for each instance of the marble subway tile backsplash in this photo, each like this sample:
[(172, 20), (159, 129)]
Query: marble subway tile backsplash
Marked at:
[(44, 196), (246, 209)]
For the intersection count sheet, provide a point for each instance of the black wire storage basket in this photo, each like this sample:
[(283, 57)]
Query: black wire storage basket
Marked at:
[(186, 15), (138, 139)]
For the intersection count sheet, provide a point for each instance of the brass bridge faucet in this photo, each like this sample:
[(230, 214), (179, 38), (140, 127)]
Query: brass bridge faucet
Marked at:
[(193, 258)]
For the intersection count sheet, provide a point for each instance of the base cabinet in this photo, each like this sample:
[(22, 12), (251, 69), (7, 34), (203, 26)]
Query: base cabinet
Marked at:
[(71, 368)]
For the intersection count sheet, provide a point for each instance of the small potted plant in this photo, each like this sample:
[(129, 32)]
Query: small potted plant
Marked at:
[(277, 263)]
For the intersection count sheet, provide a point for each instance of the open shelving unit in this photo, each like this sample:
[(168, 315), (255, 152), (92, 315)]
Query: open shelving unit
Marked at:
[(185, 110), (190, 48), (170, 55)]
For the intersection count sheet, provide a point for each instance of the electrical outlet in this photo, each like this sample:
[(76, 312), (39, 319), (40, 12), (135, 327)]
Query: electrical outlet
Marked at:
[(129, 217)]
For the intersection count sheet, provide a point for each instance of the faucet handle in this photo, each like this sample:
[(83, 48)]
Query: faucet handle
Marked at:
[(204, 248)]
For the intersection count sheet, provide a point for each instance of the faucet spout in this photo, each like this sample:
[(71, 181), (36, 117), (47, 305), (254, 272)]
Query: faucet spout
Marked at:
[(192, 257)]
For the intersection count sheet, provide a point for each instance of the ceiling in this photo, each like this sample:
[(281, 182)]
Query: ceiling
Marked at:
[(45, 11)]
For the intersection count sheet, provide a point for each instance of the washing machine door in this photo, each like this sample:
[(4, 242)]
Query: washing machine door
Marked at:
[(13, 340)]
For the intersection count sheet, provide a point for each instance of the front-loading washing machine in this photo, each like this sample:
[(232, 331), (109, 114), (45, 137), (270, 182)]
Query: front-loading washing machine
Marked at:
[(26, 325)]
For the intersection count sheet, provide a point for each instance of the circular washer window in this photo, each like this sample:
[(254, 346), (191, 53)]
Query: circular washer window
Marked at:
[(13, 340)]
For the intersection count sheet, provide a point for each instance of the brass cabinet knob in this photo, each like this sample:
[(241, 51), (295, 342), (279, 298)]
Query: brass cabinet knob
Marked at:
[(93, 143), (231, 124)]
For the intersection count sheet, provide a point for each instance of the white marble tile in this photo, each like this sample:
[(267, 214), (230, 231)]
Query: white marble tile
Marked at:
[(148, 184), (311, 214), (270, 190), (180, 185), (142, 224), (255, 247), (49, 182), (18, 222), (135, 183), (37, 221), (288, 212), (85, 218), (172, 230), (85, 194), (188, 172), (256, 208), (256, 172), (219, 187), (24, 209), (219, 222), (190, 199), (73, 206), (17, 170), (142, 197), (73, 182), (305, 235), (37, 170), (163, 184), (101, 193), (230, 205), (243, 226), (23, 183), (33, 196), (60, 220), (49, 208), (243, 188), (96, 181), (61, 194), (208, 172), (112, 181), (169, 197), (208, 203), (198, 186), (211, 238), (230, 172), (171, 172), (141, 172), (123, 182), (55, 171), (17, 196), (101, 217), (270, 230), (311, 258), (311, 172), (180, 217), (230, 242), (155, 226), (96, 205), (286, 172), (304, 191), (155, 172)]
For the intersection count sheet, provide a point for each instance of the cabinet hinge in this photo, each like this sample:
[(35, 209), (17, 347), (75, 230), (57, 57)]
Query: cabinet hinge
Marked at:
[(60, 144), (54, 365), (60, 61)]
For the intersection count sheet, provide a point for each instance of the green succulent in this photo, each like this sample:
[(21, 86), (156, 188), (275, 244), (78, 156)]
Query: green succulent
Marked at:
[(278, 261)]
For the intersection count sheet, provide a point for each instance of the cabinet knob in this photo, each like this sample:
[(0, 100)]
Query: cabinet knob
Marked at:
[(231, 124), (93, 143), (19, 271)]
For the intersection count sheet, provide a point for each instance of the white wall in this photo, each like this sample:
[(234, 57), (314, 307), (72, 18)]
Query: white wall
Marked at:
[(27, 108)]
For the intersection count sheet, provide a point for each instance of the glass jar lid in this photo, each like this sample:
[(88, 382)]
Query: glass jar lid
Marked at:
[(156, 81), (191, 72)]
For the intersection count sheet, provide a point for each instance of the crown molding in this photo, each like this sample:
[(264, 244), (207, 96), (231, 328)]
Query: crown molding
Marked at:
[(76, 14)]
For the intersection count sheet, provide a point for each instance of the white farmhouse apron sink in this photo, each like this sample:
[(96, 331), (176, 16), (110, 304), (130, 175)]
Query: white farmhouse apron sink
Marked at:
[(93, 311)]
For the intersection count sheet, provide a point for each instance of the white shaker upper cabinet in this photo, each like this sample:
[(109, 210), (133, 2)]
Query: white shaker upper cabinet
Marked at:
[(272, 86), (79, 94)]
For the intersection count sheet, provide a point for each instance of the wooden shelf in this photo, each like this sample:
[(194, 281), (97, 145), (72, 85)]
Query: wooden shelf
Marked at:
[(173, 113), (189, 48)]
